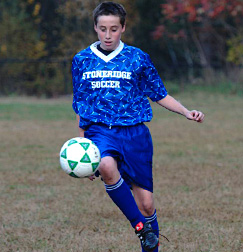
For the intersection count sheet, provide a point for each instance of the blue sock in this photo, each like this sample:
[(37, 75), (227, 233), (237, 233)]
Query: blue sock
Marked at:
[(121, 195), (155, 226)]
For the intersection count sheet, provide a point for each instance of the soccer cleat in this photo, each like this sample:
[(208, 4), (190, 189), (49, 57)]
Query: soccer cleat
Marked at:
[(149, 240)]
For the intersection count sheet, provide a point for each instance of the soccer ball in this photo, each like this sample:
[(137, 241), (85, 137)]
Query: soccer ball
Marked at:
[(79, 157)]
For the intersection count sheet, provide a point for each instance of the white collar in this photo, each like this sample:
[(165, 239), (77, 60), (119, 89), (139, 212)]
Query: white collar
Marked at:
[(110, 56)]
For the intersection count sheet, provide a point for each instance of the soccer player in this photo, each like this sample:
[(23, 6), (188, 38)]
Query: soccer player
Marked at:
[(111, 86)]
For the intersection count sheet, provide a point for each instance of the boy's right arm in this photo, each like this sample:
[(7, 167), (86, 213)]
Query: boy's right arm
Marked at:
[(81, 131)]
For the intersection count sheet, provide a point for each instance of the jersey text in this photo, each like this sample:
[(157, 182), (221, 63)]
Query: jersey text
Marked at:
[(106, 74)]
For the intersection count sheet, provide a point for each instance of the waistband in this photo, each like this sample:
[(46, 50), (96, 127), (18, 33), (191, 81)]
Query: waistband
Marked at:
[(116, 126)]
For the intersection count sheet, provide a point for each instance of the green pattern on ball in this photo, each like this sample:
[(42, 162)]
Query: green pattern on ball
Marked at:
[(64, 154), (72, 164), (73, 175), (85, 159), (72, 142), (94, 166), (85, 145)]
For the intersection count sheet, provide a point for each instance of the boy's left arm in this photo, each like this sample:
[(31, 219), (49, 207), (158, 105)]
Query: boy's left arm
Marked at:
[(173, 105)]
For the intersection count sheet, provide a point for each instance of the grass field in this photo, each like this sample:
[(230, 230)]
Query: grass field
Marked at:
[(198, 181)]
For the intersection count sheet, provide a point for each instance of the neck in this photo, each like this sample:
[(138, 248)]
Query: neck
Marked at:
[(103, 51)]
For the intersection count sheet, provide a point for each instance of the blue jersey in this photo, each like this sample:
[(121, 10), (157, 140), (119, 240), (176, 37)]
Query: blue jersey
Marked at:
[(114, 89)]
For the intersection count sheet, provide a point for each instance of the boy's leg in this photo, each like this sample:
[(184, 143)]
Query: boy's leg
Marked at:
[(119, 191), (152, 220), (154, 223), (145, 202)]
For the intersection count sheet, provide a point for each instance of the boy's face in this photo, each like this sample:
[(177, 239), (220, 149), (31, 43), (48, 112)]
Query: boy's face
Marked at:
[(109, 31)]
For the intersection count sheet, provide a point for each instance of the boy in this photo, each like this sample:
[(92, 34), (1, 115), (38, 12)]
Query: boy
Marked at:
[(111, 83)]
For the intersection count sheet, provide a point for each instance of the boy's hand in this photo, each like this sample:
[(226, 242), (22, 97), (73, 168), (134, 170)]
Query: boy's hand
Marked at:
[(92, 177), (195, 115)]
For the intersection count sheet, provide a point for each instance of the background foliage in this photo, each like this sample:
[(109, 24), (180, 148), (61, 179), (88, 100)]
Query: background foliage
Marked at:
[(192, 41)]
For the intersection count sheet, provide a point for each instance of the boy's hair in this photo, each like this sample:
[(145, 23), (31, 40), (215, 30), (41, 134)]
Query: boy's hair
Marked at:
[(110, 8)]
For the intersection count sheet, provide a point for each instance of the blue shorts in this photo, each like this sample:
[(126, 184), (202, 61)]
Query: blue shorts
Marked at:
[(131, 146)]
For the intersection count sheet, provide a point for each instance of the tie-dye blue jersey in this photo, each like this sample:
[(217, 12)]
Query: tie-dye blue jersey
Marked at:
[(114, 89)]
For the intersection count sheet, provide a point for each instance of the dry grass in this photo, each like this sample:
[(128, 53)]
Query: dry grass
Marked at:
[(197, 176)]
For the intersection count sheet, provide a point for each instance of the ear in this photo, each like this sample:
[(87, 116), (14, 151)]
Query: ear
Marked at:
[(95, 28), (123, 28)]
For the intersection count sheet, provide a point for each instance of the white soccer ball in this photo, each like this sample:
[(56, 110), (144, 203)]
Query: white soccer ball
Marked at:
[(79, 157)]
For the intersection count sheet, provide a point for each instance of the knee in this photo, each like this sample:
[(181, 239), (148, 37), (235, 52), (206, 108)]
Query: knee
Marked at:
[(147, 208), (108, 170), (144, 200)]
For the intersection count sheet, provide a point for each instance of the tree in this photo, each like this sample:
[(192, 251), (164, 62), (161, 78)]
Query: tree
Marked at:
[(18, 35), (38, 40), (201, 29), (19, 41)]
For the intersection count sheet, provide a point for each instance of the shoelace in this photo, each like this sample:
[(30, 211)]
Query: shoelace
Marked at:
[(165, 237), (154, 230)]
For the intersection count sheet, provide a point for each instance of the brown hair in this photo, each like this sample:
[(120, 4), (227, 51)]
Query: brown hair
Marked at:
[(110, 8)]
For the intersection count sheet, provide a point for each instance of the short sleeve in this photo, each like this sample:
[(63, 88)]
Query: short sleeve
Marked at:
[(151, 83)]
